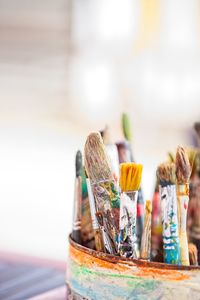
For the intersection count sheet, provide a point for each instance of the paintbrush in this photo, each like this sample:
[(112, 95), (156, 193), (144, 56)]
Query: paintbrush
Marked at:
[(192, 249), (197, 129), (108, 243), (191, 152), (87, 232), (167, 189), (124, 152), (76, 226), (193, 219), (156, 227), (124, 147), (103, 185), (99, 245), (112, 153), (130, 179), (127, 131), (145, 250), (183, 172), (171, 157)]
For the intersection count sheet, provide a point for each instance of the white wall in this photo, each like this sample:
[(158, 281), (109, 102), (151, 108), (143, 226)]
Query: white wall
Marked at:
[(53, 92)]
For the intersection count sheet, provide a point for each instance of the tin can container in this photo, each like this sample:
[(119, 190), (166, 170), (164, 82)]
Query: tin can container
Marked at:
[(98, 276)]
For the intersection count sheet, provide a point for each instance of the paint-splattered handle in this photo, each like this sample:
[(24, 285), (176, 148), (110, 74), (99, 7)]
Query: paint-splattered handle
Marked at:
[(171, 245), (97, 231), (183, 199), (140, 217), (128, 214), (108, 203)]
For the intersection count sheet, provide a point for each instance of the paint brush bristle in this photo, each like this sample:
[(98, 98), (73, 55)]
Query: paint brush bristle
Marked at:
[(171, 157), (166, 173), (97, 163), (193, 254), (148, 206), (183, 167), (192, 154), (130, 176)]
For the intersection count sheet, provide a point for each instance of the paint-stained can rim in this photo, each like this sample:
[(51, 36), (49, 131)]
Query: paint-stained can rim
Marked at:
[(129, 261)]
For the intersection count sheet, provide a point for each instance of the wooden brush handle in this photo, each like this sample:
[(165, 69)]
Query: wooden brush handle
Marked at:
[(76, 226), (99, 240), (146, 236), (184, 248), (99, 245), (183, 199)]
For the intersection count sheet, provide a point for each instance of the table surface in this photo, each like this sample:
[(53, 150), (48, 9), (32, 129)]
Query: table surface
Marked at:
[(32, 278)]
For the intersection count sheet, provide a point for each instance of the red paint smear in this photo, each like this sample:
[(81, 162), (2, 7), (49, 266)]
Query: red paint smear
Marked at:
[(140, 210)]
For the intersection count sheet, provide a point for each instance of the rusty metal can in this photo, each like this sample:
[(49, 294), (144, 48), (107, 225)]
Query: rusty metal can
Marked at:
[(97, 276)]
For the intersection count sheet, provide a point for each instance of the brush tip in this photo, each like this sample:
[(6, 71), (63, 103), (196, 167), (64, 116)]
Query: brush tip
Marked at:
[(93, 137), (171, 157), (97, 163), (148, 206), (193, 254), (183, 167), (78, 163), (130, 176), (93, 141), (166, 173)]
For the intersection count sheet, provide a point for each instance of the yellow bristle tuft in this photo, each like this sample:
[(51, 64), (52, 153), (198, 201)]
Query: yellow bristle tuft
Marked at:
[(130, 176), (148, 206)]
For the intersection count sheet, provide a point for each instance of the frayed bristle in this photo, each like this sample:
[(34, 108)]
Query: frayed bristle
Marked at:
[(192, 152), (148, 206), (166, 173), (193, 254), (171, 157), (130, 176), (183, 167), (97, 163)]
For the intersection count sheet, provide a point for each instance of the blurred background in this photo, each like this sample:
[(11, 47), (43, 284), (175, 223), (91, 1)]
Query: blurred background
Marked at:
[(68, 67)]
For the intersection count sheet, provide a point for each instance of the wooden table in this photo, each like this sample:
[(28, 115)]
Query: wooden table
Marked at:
[(25, 277)]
